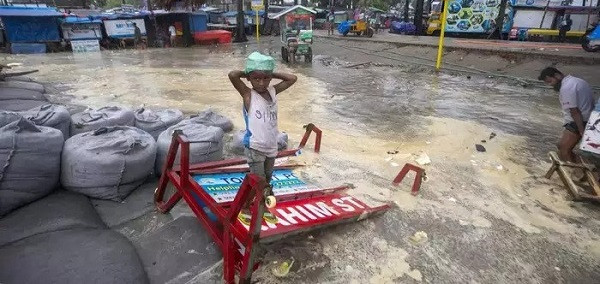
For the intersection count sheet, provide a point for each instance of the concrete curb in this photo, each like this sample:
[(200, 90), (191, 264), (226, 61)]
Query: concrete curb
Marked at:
[(519, 54)]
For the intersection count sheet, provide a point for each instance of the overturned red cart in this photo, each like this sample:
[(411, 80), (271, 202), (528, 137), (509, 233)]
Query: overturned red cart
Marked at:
[(216, 191)]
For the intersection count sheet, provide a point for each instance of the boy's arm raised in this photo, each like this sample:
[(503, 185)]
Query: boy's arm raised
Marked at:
[(287, 80), (236, 80)]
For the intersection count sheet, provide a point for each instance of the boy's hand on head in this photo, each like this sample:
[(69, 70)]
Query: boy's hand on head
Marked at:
[(287, 80), (235, 77)]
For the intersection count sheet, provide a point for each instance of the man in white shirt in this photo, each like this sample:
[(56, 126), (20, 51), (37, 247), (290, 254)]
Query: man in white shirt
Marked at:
[(577, 102), (173, 33)]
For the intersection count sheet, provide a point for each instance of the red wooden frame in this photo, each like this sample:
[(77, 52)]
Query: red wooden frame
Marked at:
[(236, 241)]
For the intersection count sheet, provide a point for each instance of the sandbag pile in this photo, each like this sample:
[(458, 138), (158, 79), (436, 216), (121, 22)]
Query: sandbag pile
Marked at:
[(20, 96), (108, 163), (156, 121), (29, 161), (92, 119), (211, 118), (208, 146), (237, 143), (50, 115)]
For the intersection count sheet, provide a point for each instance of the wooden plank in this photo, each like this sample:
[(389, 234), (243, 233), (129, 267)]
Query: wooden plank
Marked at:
[(564, 176)]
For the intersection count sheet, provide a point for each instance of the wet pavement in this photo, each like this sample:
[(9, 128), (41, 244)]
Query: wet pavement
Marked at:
[(490, 217)]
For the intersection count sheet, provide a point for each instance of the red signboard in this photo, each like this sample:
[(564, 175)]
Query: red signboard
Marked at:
[(303, 214)]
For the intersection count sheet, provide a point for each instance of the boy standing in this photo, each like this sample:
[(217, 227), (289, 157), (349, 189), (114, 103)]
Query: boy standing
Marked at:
[(260, 115)]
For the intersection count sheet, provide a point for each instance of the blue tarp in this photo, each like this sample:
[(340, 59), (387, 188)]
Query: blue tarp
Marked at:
[(77, 20), (28, 11), (198, 22), (31, 29)]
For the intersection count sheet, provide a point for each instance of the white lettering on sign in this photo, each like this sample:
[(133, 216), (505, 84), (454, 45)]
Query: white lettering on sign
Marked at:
[(306, 213), (340, 203), (290, 216), (321, 211)]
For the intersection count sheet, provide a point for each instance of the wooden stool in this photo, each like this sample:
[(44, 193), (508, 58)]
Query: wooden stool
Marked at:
[(578, 194)]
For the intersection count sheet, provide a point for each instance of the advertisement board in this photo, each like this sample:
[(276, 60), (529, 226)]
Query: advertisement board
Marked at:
[(81, 31), (476, 16), (123, 28)]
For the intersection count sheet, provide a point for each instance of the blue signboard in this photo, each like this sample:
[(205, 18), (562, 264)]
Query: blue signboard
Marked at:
[(224, 187)]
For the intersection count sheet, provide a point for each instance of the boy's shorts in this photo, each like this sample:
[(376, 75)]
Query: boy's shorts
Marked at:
[(259, 163), (572, 126)]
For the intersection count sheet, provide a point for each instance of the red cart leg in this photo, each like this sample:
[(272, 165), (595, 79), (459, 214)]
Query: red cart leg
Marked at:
[(419, 176), (309, 129), (159, 193)]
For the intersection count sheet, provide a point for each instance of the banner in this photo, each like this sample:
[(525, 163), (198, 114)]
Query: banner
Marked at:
[(81, 31), (224, 187), (476, 16), (123, 28)]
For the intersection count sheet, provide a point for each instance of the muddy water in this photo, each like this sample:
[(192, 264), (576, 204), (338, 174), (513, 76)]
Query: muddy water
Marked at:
[(192, 79), (365, 113)]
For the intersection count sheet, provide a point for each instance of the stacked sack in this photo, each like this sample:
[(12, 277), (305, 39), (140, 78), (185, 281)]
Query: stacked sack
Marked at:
[(20, 96), (92, 119), (50, 115), (207, 146), (30, 158), (156, 121), (108, 163)]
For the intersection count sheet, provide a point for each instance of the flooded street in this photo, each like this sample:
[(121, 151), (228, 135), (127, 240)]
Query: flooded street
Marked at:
[(490, 217)]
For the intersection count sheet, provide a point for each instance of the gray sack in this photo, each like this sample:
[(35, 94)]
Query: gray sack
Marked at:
[(108, 163), (209, 146), (34, 86), (92, 119), (29, 161), (237, 143), (50, 115), (156, 121), (212, 118)]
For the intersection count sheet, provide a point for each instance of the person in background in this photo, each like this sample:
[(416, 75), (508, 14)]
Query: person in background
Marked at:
[(137, 36), (173, 34), (330, 21), (577, 102), (563, 27)]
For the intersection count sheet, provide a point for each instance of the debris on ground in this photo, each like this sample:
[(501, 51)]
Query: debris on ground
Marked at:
[(418, 238), (492, 135), (282, 270), (479, 148), (393, 152), (423, 160)]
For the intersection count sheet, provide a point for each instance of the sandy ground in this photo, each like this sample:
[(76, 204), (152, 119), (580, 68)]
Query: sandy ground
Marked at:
[(489, 217)]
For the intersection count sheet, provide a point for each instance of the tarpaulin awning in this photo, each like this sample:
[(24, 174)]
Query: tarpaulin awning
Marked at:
[(10, 11)]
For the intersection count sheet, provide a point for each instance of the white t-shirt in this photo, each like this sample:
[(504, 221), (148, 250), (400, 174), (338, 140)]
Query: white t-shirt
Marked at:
[(261, 123), (576, 93), (172, 31)]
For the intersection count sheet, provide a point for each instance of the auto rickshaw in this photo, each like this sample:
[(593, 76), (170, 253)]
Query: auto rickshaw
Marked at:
[(296, 25), (360, 27)]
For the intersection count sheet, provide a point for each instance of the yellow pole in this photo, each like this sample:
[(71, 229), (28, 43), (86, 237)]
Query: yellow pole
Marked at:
[(257, 33), (438, 63)]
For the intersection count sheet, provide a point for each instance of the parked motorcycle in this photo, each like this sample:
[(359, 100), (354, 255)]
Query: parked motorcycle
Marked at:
[(591, 39)]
